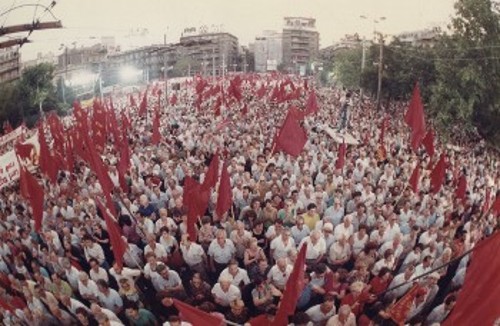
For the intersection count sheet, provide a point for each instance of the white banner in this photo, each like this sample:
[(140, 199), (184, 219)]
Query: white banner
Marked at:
[(9, 166), (13, 135)]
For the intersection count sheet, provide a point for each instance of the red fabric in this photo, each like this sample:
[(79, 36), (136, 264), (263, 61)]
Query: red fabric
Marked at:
[(113, 126), (35, 195), (118, 245), (7, 127), (399, 312), (438, 175), (196, 316), (461, 187), (99, 126), (415, 118), (244, 111), (297, 113), (225, 195), (261, 91), (195, 199), (379, 285), (428, 142), (356, 304), (144, 104), (292, 137), (312, 103), (57, 132), (173, 100), (339, 164), (293, 289), (156, 137), (415, 178), (132, 101), (487, 200), (212, 174), (46, 162), (477, 301), (495, 209), (260, 320)]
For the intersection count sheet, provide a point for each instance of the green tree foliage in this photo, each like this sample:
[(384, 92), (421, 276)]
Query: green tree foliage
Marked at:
[(467, 88), (347, 67), (23, 100)]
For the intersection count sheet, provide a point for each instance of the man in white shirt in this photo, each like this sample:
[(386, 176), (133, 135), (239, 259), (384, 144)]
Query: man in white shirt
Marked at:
[(119, 272), (109, 298), (87, 288), (322, 312), (96, 272), (281, 245), (92, 250), (194, 255), (225, 292), (167, 280), (299, 231), (156, 248), (316, 247), (238, 275), (279, 273), (344, 317), (220, 251), (344, 230)]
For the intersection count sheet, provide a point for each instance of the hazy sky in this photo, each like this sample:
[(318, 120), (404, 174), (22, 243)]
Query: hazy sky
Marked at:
[(86, 21)]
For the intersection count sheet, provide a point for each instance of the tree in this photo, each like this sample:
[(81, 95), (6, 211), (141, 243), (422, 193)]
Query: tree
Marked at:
[(347, 67), (467, 88)]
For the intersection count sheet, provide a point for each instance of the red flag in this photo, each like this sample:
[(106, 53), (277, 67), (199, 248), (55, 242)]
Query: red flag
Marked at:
[(292, 137), (47, 165), (487, 199), (225, 195), (244, 111), (293, 289), (124, 163), (399, 312), (196, 316), (495, 208), (156, 137), (261, 91), (212, 174), (144, 104), (99, 126), (195, 199), (383, 126), (118, 245), (312, 103), (428, 142), (297, 113), (173, 100), (415, 118), (35, 194), (438, 174), (339, 164), (461, 187), (415, 178), (481, 286)]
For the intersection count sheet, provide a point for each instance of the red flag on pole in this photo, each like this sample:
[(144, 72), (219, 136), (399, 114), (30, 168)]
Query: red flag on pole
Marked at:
[(415, 178), (339, 164), (196, 316), (461, 187), (428, 142), (195, 199), (293, 289), (482, 285), (213, 173), (415, 118), (438, 174), (144, 104), (118, 245), (132, 101), (156, 137), (173, 100), (225, 195), (495, 208), (486, 201), (35, 196), (6, 127), (46, 162), (292, 137), (312, 103)]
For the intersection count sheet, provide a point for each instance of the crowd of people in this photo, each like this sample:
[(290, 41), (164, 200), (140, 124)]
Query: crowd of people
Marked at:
[(369, 236)]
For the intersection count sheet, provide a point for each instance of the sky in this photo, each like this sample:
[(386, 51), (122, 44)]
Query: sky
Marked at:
[(86, 21)]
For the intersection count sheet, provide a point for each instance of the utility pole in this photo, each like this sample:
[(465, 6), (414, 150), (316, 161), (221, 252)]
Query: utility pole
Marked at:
[(165, 75), (213, 64), (363, 64), (63, 80), (380, 69)]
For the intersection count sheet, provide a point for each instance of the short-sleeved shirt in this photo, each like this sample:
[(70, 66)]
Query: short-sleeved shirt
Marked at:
[(221, 255)]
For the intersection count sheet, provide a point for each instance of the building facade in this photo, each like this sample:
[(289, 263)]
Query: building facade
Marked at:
[(212, 50), (424, 38), (9, 64), (300, 43), (268, 50)]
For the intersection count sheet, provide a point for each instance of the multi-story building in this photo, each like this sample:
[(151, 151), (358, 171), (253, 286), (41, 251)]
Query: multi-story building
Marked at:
[(212, 50), (49, 58), (424, 38), (300, 43), (9, 64), (268, 49)]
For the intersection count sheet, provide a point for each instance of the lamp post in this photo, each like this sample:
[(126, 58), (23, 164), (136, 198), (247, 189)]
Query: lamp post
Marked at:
[(381, 56)]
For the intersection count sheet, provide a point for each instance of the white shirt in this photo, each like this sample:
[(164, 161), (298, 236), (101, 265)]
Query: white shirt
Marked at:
[(226, 298), (241, 276), (94, 252), (341, 231), (314, 251), (221, 255), (192, 255), (159, 251), (162, 284), (111, 301), (126, 273), (278, 277), (99, 275), (280, 248), (317, 316), (88, 290)]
